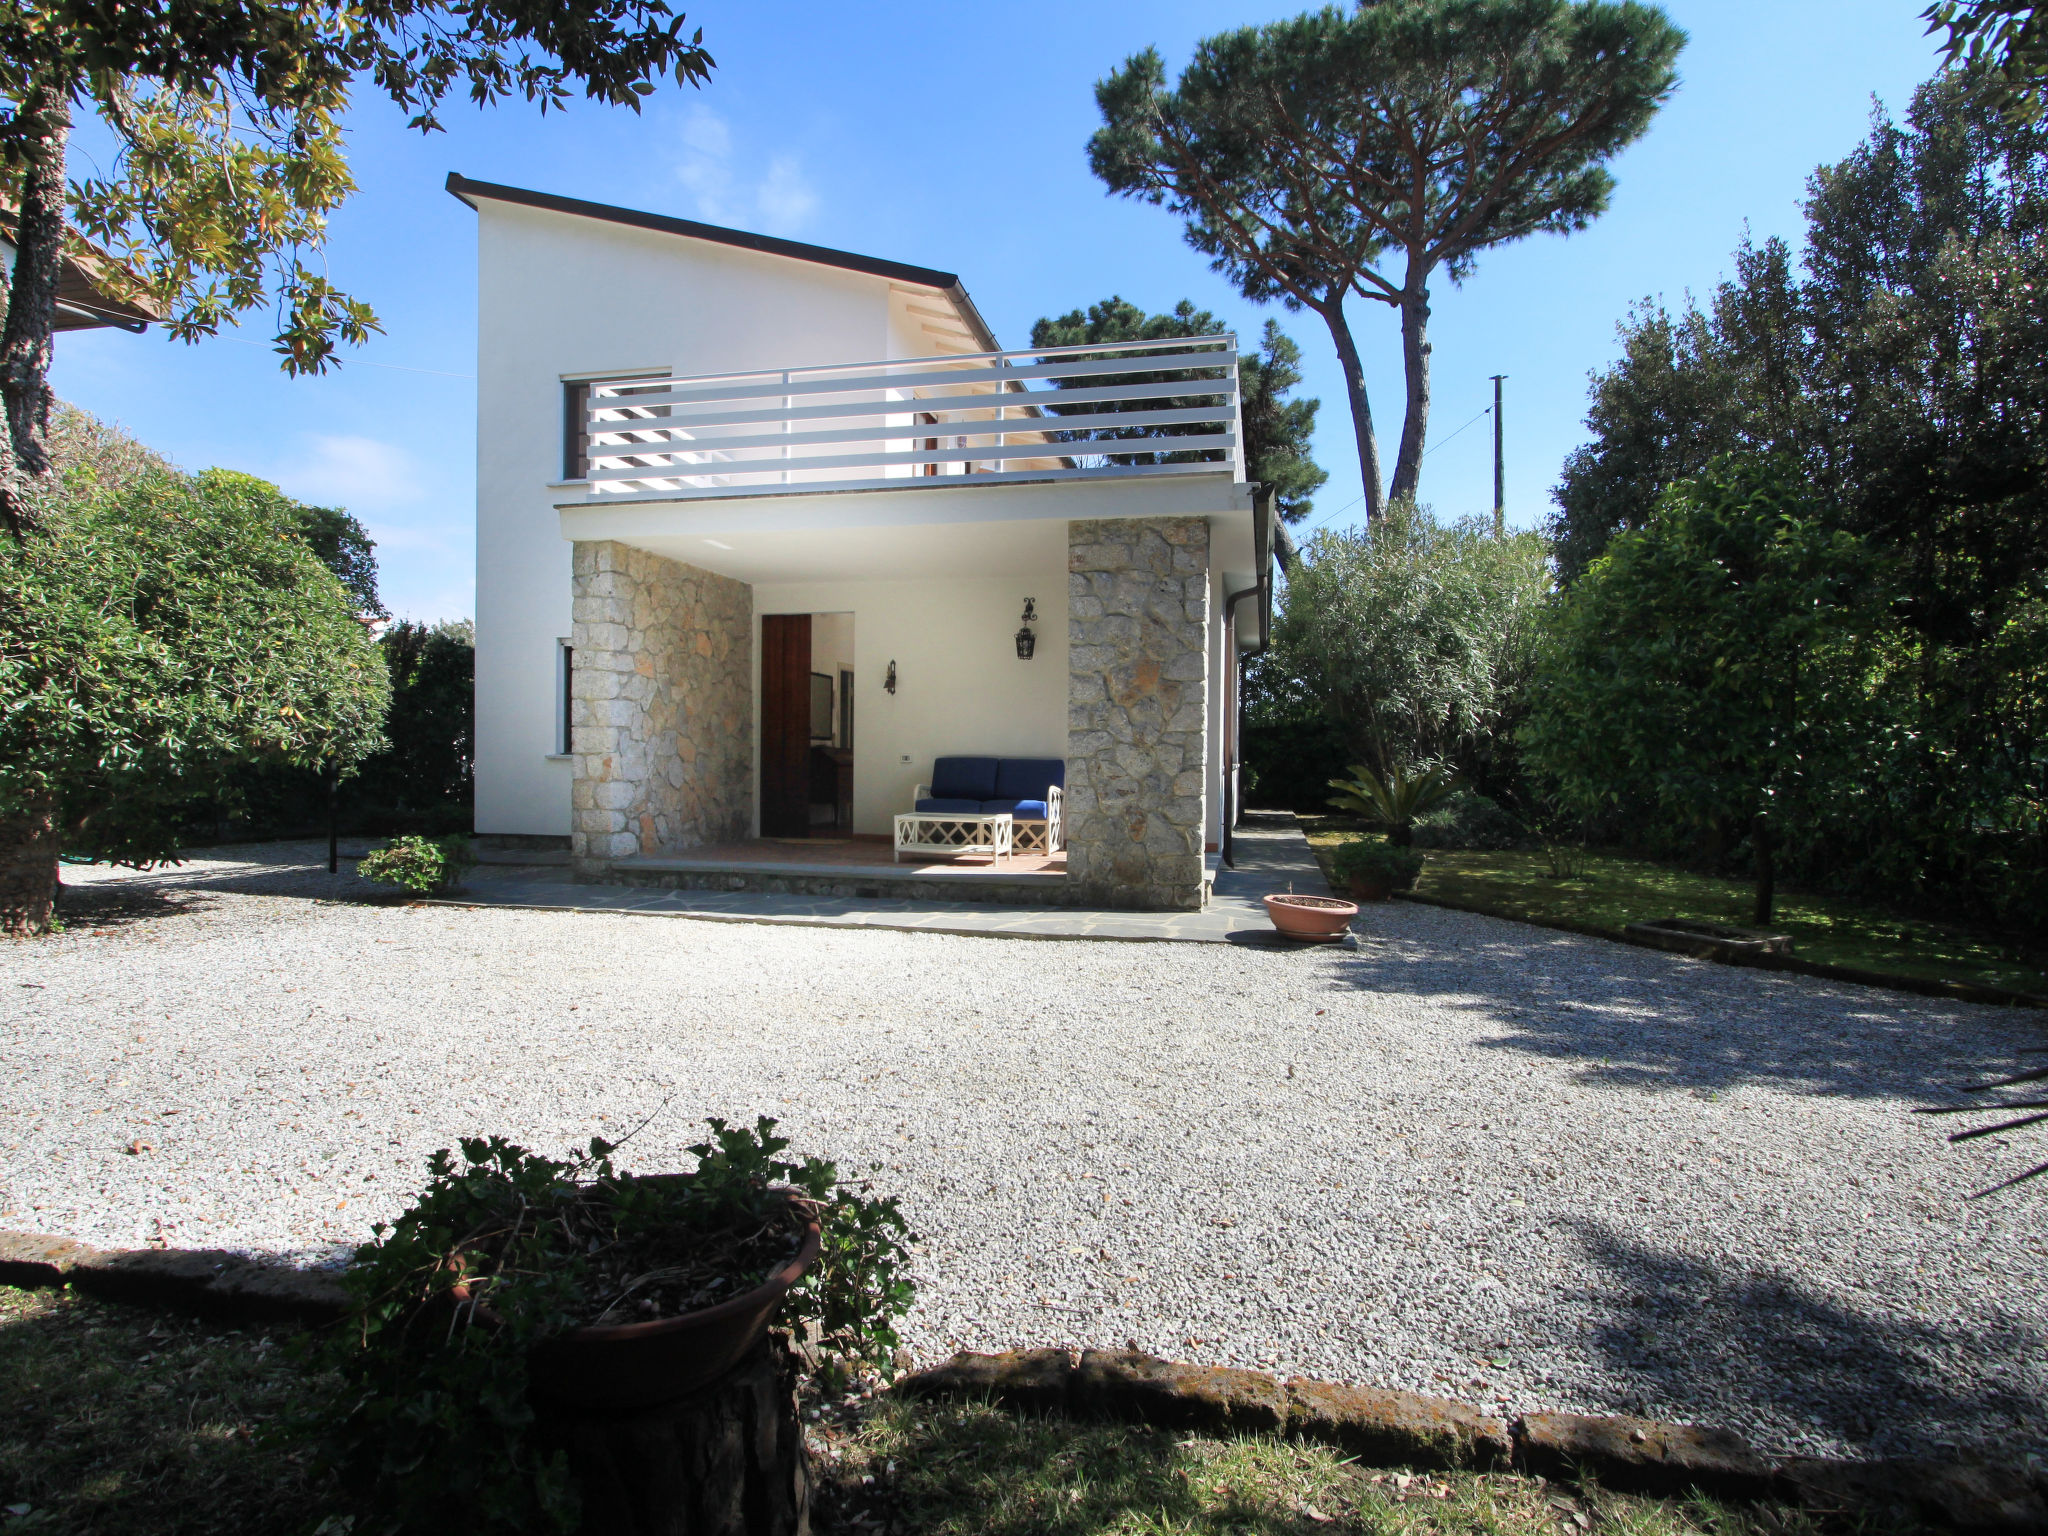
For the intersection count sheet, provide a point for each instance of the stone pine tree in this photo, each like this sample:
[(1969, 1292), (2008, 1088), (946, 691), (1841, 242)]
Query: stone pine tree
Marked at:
[(1278, 431), (1357, 154), (228, 152)]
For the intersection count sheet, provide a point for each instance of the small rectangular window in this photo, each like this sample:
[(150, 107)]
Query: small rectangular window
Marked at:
[(567, 673), (575, 429)]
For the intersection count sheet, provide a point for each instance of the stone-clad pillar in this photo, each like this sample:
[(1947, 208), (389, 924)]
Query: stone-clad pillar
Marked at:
[(661, 711), (1137, 710)]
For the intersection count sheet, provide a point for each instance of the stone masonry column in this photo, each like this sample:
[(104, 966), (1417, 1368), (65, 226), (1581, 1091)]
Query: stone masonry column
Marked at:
[(661, 713), (1137, 711)]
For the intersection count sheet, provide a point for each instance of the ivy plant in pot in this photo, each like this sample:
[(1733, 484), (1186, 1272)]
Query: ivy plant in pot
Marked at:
[(516, 1281), (1373, 868)]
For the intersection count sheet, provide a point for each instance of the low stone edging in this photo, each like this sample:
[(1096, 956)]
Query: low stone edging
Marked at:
[(1387, 1427), (1379, 1426), (214, 1284)]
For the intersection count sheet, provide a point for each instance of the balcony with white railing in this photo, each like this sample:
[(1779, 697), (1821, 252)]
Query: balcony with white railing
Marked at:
[(989, 418)]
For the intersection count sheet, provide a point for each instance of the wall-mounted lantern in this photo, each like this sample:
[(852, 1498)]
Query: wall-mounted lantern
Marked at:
[(1027, 642), (889, 682)]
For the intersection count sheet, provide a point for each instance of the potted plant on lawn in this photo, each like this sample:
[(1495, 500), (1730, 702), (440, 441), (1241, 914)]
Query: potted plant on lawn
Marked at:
[(520, 1292), (1396, 799), (1373, 868)]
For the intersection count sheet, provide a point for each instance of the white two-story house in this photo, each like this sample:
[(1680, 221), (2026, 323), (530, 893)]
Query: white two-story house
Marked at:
[(757, 527)]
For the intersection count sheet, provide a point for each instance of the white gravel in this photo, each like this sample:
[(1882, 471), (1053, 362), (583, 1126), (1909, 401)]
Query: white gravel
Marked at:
[(1496, 1162)]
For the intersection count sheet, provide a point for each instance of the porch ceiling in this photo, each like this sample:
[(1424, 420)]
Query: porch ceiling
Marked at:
[(867, 554), (922, 530)]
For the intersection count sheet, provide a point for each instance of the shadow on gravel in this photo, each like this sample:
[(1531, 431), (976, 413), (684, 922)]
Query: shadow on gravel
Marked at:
[(267, 869), (1639, 1018), (1700, 1339), (111, 907)]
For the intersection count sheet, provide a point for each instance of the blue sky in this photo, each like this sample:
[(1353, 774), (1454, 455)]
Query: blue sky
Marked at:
[(951, 136)]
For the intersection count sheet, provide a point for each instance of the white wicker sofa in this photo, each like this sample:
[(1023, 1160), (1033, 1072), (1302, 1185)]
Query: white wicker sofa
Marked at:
[(1027, 788)]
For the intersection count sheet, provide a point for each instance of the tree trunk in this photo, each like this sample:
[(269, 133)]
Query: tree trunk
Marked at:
[(29, 844), (728, 1460), (1361, 408), (45, 119), (1766, 870), (1415, 365), (1285, 550)]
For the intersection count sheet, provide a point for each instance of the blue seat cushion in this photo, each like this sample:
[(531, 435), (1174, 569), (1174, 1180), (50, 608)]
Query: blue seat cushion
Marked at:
[(1021, 810), (964, 778), (1027, 778), (941, 805)]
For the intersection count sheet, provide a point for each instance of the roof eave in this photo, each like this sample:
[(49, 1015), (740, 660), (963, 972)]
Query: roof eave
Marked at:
[(468, 191)]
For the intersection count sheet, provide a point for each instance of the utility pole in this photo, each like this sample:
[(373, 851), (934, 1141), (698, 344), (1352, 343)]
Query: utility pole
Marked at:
[(1500, 484)]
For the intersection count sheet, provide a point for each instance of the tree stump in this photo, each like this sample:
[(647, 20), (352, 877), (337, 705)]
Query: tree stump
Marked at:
[(727, 1460)]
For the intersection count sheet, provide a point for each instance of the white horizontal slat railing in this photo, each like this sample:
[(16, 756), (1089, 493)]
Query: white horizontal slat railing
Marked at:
[(1058, 413)]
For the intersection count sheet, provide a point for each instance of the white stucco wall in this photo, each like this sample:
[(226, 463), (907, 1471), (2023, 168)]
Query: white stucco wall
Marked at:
[(960, 687), (559, 296)]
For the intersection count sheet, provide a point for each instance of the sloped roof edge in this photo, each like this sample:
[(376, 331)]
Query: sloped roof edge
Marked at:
[(463, 188)]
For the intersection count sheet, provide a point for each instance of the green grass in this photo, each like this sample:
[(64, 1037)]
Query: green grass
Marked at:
[(971, 1470), (119, 1419), (123, 1420), (1610, 892)]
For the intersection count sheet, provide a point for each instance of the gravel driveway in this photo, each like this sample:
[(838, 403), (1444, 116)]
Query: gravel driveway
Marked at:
[(1492, 1161)]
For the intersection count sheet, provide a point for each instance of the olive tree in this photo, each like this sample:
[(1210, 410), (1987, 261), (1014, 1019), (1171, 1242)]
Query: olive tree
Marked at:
[(1411, 634)]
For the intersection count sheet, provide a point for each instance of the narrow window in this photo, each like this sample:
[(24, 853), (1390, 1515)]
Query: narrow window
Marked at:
[(575, 428), (567, 671)]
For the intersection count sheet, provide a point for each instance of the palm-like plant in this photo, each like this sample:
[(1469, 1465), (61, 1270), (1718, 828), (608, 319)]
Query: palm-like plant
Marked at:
[(1396, 799)]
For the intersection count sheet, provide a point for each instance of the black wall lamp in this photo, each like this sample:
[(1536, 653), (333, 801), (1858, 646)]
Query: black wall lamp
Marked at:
[(1027, 642), (889, 682)]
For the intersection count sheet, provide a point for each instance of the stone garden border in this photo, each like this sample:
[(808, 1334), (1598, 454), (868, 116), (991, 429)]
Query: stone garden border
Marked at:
[(1385, 1427), (1378, 1426)]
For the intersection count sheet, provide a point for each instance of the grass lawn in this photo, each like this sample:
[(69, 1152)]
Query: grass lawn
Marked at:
[(119, 1419), (1610, 892)]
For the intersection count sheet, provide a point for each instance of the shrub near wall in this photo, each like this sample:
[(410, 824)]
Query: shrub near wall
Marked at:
[(423, 782)]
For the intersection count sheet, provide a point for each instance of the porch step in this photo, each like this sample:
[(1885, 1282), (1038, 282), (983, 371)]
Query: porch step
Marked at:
[(873, 882)]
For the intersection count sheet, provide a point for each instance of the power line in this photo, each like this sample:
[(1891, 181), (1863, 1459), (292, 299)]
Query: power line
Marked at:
[(1354, 501)]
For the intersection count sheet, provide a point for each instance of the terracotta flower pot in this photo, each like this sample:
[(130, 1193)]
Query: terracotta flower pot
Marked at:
[(1312, 919), (620, 1367)]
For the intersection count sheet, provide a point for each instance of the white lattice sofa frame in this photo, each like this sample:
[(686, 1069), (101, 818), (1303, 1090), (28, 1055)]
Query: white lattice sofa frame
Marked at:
[(1028, 836)]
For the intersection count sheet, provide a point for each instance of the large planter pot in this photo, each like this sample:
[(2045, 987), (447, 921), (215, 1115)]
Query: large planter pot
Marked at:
[(1364, 888), (1311, 919), (616, 1368)]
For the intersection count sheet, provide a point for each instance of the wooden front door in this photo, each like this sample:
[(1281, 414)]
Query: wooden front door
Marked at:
[(785, 724)]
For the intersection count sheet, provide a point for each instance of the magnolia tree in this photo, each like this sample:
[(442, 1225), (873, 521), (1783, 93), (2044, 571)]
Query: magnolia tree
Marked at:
[(156, 632), (229, 154)]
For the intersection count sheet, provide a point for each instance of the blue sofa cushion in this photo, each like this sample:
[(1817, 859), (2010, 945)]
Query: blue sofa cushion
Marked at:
[(1027, 778), (964, 778), (940, 805), (1022, 810)]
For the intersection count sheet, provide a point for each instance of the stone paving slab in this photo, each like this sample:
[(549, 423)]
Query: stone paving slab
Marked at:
[(1272, 855)]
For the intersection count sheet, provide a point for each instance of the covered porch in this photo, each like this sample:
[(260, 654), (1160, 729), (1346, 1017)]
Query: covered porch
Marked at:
[(767, 666)]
